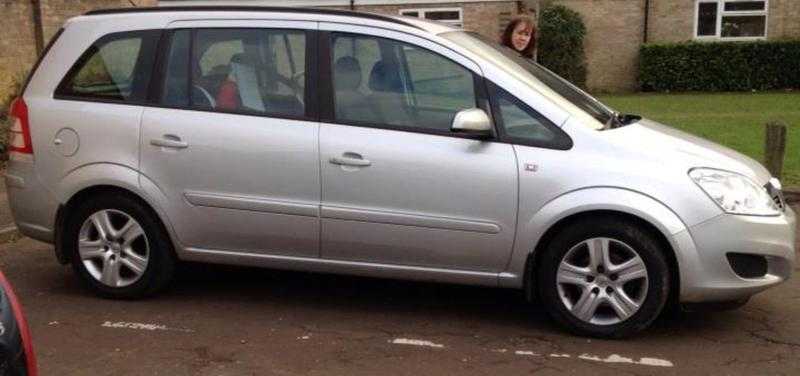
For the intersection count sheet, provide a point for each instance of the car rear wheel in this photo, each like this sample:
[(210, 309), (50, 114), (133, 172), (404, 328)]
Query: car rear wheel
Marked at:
[(118, 248), (605, 277)]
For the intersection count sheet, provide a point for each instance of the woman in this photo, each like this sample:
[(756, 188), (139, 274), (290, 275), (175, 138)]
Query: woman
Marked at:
[(520, 35)]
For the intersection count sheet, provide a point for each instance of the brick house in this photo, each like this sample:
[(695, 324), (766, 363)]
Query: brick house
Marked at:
[(486, 16), (615, 28)]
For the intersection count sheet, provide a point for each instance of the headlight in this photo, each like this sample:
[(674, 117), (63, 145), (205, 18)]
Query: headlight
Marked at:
[(734, 193)]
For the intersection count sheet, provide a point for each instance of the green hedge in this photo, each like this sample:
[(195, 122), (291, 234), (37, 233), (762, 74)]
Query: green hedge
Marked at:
[(560, 45), (720, 66)]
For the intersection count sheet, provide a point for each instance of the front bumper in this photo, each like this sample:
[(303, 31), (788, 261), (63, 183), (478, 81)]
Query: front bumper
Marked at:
[(705, 272)]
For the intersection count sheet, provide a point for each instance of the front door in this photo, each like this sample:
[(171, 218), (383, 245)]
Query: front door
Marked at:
[(233, 148), (397, 186)]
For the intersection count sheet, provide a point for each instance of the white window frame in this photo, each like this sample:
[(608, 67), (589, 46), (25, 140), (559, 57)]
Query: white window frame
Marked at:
[(721, 12), (423, 11)]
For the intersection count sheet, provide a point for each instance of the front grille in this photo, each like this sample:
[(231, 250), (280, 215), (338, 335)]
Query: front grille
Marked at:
[(748, 266), (777, 196)]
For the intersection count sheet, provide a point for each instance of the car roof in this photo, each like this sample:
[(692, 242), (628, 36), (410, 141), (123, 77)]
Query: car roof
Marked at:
[(424, 25)]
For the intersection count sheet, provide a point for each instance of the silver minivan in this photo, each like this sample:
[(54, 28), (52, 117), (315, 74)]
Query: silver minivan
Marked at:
[(341, 142)]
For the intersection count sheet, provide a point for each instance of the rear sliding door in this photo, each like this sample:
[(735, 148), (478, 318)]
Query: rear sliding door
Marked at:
[(234, 148)]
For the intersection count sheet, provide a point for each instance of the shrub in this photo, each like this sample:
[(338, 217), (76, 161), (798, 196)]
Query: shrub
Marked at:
[(10, 85), (561, 33), (721, 66)]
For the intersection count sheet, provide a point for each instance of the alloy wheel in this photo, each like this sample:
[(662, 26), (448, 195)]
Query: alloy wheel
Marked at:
[(113, 248), (602, 281)]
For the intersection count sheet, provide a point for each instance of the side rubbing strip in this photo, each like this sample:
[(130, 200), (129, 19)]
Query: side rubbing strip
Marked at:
[(215, 200), (404, 219)]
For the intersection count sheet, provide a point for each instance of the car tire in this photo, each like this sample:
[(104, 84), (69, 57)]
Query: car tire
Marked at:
[(134, 259), (614, 297)]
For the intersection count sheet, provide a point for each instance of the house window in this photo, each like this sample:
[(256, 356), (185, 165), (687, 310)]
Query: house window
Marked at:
[(731, 19), (450, 16)]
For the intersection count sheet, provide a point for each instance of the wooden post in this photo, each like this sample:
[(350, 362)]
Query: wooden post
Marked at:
[(775, 147), (38, 28)]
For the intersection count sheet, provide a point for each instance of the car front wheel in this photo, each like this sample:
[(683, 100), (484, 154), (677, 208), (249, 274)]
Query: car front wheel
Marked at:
[(605, 277)]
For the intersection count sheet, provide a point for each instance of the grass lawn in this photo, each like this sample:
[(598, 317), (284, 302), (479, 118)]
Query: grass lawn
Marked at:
[(735, 120)]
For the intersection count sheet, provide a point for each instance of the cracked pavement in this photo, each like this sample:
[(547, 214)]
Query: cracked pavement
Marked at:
[(239, 321)]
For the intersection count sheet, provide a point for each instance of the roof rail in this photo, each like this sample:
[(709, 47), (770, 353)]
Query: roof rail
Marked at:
[(245, 8)]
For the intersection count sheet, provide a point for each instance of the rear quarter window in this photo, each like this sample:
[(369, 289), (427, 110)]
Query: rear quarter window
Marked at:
[(117, 67)]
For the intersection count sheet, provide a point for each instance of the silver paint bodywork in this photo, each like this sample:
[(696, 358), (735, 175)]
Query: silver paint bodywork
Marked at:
[(335, 198)]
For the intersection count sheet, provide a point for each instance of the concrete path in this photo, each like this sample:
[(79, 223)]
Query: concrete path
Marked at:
[(238, 321), (235, 321)]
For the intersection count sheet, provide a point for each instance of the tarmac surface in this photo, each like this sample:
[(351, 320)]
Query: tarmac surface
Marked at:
[(240, 321)]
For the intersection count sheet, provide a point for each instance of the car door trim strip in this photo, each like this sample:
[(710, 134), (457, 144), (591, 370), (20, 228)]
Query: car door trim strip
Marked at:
[(405, 219), (251, 203)]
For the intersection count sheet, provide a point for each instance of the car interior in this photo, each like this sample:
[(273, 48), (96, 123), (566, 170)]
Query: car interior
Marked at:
[(239, 71), (396, 93)]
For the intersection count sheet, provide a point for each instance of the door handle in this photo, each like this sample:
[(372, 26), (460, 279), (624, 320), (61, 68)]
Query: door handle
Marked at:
[(170, 141), (350, 159)]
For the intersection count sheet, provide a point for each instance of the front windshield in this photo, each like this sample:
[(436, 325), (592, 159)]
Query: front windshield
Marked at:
[(480, 45)]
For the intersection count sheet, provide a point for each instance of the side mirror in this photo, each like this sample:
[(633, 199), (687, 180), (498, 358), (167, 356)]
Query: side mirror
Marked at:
[(473, 122)]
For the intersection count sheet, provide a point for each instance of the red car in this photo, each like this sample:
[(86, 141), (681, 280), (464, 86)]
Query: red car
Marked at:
[(16, 351)]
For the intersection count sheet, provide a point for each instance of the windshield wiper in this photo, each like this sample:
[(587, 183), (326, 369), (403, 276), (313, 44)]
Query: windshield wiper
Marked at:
[(613, 121), (616, 120), (625, 119)]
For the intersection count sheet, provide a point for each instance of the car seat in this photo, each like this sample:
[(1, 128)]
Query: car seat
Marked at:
[(388, 95), (351, 103)]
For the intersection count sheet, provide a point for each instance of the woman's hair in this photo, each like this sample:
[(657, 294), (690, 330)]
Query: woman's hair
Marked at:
[(508, 34)]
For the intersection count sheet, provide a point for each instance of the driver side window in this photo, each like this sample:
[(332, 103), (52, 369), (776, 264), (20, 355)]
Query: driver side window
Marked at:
[(385, 82)]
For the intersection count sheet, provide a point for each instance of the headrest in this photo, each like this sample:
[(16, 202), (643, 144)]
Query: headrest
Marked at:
[(383, 78), (347, 73)]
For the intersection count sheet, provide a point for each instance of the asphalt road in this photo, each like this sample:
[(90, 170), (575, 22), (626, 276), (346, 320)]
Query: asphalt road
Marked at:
[(231, 321)]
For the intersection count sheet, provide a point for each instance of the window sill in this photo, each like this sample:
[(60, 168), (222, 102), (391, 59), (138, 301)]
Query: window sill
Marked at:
[(728, 39)]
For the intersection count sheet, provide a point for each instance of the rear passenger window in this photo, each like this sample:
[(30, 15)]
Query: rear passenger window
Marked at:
[(117, 67), (260, 71)]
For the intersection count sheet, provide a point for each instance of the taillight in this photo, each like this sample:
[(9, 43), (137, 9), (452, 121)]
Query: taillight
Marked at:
[(19, 134)]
